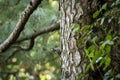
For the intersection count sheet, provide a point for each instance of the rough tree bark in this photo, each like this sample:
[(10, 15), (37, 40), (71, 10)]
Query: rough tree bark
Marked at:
[(72, 63)]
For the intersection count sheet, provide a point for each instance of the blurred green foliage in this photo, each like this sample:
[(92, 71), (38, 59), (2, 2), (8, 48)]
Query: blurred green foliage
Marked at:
[(101, 40), (40, 62)]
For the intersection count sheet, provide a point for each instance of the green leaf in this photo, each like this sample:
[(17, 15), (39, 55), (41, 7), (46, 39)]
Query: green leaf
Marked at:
[(101, 63), (102, 21), (102, 46), (95, 39), (108, 48), (107, 62), (87, 52), (86, 27), (99, 59), (104, 6), (91, 51), (96, 14), (88, 67), (91, 48), (107, 75), (117, 2), (106, 13), (96, 56), (91, 54), (108, 42), (81, 76), (118, 76), (75, 27), (79, 41), (108, 37), (113, 4), (109, 20)]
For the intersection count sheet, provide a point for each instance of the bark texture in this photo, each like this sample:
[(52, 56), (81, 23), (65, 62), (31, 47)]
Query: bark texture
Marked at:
[(72, 63)]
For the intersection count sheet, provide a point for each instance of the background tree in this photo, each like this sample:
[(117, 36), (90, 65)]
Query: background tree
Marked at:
[(20, 62)]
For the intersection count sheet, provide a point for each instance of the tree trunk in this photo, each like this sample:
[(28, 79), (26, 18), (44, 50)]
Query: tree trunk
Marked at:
[(73, 57), (72, 63)]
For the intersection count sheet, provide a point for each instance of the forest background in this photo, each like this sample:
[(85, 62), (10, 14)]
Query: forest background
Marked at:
[(35, 54)]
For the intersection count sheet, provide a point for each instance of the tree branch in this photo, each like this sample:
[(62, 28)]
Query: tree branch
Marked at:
[(24, 48), (39, 32), (32, 38), (20, 25), (18, 48)]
